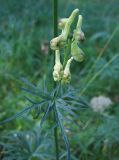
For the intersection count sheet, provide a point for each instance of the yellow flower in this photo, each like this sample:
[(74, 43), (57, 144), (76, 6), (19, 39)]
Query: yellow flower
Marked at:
[(58, 68), (67, 75), (61, 40), (77, 52), (66, 30), (62, 23), (78, 34), (57, 42)]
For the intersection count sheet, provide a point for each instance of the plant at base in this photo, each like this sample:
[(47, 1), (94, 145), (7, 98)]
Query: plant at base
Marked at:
[(60, 101)]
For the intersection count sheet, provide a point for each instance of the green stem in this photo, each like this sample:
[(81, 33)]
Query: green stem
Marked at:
[(55, 25), (56, 138), (55, 16), (68, 48)]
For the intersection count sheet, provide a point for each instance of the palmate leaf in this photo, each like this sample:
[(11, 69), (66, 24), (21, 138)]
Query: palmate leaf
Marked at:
[(37, 109), (64, 104), (35, 105), (19, 114), (36, 90), (67, 109), (71, 95)]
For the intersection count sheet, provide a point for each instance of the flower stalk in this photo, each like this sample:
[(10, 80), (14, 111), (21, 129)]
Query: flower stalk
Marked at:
[(55, 27)]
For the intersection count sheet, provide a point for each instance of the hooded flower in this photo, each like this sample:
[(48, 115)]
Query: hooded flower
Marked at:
[(58, 68), (77, 52), (61, 40), (62, 23), (78, 34), (67, 75)]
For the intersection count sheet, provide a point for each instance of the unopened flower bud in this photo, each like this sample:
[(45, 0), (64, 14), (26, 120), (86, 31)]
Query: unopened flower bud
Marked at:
[(78, 34), (58, 68), (77, 52), (62, 23), (67, 75)]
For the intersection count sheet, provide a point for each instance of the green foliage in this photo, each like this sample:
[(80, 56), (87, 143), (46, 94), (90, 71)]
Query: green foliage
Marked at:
[(60, 101), (24, 26), (98, 136), (28, 145)]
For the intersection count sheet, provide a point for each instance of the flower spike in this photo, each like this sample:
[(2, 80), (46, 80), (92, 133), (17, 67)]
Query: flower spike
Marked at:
[(69, 44)]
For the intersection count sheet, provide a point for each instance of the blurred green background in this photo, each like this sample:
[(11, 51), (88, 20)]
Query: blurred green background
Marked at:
[(26, 28)]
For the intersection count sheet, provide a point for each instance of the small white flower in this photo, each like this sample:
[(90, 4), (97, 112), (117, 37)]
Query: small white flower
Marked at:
[(99, 104), (15, 134)]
